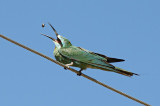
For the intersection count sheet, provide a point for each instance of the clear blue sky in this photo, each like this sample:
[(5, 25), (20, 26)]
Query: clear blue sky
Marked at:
[(117, 28)]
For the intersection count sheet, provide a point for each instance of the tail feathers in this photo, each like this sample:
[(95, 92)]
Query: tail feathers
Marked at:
[(124, 72)]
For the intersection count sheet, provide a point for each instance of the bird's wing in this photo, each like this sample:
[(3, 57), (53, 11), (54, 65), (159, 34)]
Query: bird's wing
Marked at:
[(109, 59), (78, 54)]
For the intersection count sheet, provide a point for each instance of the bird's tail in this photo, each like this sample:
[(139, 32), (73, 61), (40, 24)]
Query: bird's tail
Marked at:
[(124, 72)]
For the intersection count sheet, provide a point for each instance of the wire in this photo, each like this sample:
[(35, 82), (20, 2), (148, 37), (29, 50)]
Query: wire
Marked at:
[(75, 71)]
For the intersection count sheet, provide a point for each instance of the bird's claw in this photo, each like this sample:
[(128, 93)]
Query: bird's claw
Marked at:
[(66, 66), (79, 73)]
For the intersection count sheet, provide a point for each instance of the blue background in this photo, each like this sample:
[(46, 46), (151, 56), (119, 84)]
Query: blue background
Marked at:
[(117, 28)]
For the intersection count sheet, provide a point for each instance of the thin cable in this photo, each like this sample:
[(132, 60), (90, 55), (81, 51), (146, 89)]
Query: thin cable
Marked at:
[(75, 71)]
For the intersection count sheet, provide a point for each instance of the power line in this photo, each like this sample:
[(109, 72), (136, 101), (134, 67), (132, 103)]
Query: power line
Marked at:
[(75, 71)]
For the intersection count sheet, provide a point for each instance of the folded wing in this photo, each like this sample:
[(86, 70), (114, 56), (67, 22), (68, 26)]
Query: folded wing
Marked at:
[(78, 54)]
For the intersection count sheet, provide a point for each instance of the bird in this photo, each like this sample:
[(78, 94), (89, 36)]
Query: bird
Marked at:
[(70, 55)]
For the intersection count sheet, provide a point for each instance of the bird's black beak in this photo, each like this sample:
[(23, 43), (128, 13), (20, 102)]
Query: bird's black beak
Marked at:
[(54, 30), (59, 41), (49, 37)]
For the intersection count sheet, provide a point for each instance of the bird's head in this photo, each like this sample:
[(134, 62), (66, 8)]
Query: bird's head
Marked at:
[(64, 42)]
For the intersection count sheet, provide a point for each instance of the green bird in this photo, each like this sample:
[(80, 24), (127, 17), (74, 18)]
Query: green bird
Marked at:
[(70, 55)]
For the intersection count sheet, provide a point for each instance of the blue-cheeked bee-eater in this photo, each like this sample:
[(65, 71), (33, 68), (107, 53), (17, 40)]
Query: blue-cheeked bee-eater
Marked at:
[(70, 55)]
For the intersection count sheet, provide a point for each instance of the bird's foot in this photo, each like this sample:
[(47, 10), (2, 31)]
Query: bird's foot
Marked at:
[(79, 73), (67, 65)]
